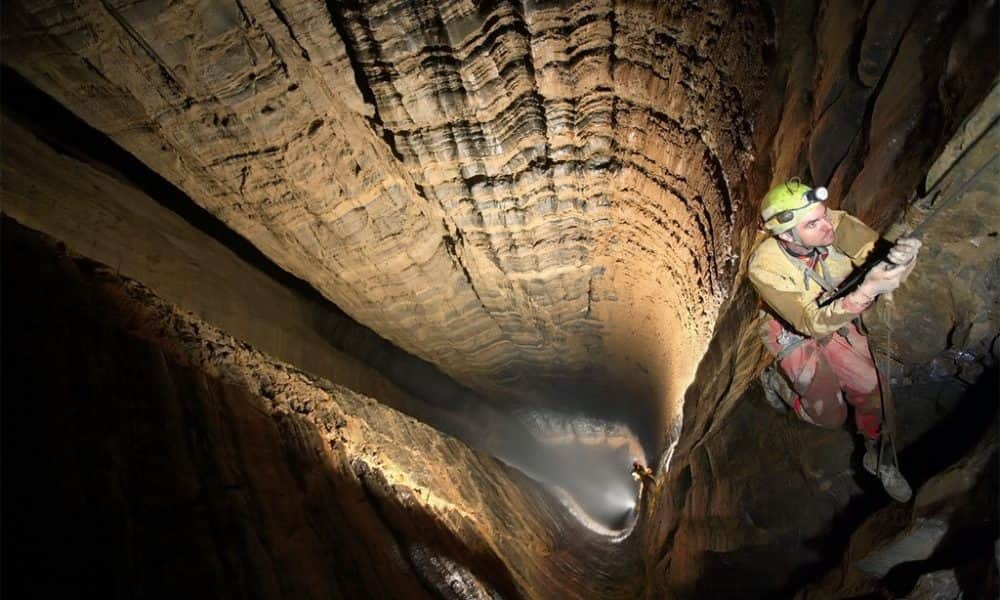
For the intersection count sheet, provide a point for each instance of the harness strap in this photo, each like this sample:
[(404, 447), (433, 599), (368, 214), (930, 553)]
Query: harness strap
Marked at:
[(789, 348), (824, 282), (795, 340)]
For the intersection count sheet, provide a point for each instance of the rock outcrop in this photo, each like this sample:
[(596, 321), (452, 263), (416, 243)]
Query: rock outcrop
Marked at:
[(938, 548)]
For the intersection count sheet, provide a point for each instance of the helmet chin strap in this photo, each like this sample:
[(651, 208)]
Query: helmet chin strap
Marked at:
[(795, 237), (797, 240)]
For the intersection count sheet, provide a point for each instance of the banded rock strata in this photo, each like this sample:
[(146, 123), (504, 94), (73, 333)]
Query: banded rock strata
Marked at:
[(551, 202), (200, 466), (515, 192)]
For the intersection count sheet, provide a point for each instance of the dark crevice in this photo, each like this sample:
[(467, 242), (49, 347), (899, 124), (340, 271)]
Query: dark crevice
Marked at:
[(489, 39), (291, 32), (243, 13), (69, 135), (337, 18), (679, 494), (590, 295), (485, 565), (449, 245), (950, 440), (967, 549), (363, 473), (168, 75)]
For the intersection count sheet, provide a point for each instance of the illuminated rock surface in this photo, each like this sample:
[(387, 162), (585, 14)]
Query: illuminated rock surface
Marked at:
[(511, 195), (534, 216), (202, 464)]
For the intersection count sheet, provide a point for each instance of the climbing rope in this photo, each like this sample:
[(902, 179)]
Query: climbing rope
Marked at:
[(885, 383)]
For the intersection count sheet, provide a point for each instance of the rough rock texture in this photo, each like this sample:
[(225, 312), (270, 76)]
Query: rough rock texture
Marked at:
[(552, 201), (510, 191), (956, 290), (93, 211), (76, 193), (872, 92), (946, 537), (778, 521), (70, 182), (179, 462)]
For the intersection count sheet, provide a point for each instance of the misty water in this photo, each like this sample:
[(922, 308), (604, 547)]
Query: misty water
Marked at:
[(582, 458)]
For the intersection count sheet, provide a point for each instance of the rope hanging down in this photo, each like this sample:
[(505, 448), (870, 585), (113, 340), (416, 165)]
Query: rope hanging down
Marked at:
[(885, 369)]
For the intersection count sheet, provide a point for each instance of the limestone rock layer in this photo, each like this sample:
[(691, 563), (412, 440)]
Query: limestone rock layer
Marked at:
[(177, 461), (516, 192)]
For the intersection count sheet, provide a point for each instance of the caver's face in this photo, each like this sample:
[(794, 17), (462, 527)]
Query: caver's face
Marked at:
[(815, 229)]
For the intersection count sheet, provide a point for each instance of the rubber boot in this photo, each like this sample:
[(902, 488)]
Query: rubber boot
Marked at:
[(888, 473)]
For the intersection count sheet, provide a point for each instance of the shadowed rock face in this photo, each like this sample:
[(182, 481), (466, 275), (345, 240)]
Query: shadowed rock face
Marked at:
[(184, 462), (550, 203), (755, 502)]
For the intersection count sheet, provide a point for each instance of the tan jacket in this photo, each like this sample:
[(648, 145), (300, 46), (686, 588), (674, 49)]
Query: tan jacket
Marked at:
[(788, 294)]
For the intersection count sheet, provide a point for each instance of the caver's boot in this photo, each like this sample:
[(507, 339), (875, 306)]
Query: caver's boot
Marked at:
[(892, 480), (778, 394)]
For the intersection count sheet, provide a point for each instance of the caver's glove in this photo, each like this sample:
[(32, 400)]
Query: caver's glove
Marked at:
[(904, 253), (881, 280)]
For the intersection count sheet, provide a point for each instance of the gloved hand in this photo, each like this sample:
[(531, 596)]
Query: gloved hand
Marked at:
[(880, 280), (904, 251)]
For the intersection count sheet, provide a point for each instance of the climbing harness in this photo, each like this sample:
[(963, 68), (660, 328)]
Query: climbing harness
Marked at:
[(788, 340), (823, 278), (825, 282)]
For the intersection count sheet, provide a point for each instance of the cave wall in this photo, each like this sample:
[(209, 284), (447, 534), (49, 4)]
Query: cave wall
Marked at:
[(759, 503), (149, 454), (62, 178), (526, 194), (513, 191), (869, 93), (940, 547), (72, 183), (94, 211)]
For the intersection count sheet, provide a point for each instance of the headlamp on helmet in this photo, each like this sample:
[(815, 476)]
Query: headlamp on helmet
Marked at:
[(784, 206)]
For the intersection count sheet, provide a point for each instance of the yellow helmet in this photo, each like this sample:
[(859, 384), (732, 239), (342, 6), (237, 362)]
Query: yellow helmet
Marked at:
[(784, 206)]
